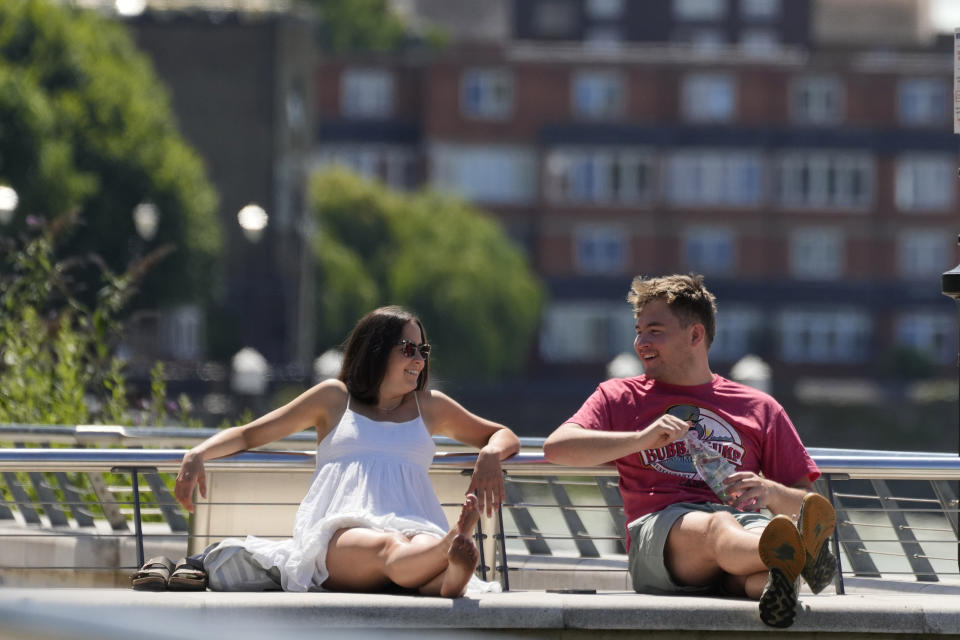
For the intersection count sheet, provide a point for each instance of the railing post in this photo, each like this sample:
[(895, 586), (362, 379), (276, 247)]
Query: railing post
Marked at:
[(137, 520)]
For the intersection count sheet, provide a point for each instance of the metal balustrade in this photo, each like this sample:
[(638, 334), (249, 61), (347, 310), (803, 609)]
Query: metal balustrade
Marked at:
[(897, 511)]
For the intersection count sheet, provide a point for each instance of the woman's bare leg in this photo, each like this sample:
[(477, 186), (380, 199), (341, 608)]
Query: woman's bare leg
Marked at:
[(361, 559)]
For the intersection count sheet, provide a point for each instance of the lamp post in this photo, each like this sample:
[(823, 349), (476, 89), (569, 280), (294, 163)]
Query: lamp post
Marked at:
[(950, 286), (8, 204)]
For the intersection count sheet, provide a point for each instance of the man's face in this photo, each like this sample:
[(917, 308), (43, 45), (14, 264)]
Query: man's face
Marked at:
[(665, 348)]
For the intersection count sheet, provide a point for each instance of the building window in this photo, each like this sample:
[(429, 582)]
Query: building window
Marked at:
[(184, 330), (826, 180), (760, 10), (702, 177), (759, 41), (924, 101), (738, 333), (604, 9), (599, 176), (817, 100), (598, 94), (708, 97), (925, 182), (931, 333), (486, 173), (824, 336), (710, 250), (393, 165), (585, 331), (600, 249), (816, 254), (603, 38), (555, 18), (367, 93), (924, 254), (699, 9), (487, 94)]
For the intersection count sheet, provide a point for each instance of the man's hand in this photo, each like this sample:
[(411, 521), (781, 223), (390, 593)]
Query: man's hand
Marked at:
[(191, 474), (664, 430), (487, 481), (750, 492)]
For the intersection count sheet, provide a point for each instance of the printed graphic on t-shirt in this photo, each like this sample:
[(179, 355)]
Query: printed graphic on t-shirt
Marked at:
[(712, 429)]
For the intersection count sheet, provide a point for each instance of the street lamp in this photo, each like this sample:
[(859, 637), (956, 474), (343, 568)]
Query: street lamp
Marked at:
[(146, 216), (8, 204), (253, 220)]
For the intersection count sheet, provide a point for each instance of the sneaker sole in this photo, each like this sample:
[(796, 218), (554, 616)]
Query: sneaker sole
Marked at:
[(782, 551), (816, 524)]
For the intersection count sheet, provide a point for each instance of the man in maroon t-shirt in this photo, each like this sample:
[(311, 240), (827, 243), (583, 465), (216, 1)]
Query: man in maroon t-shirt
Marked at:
[(682, 537)]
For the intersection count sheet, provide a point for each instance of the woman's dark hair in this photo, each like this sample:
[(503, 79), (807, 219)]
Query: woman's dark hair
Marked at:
[(368, 350)]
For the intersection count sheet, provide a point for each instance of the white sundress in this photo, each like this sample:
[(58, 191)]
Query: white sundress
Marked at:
[(369, 474)]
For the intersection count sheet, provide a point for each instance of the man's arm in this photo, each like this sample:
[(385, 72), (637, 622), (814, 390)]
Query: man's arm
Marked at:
[(756, 492), (573, 445)]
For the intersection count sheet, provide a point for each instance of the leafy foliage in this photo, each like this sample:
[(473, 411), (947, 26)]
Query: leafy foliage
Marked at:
[(437, 255), (85, 125)]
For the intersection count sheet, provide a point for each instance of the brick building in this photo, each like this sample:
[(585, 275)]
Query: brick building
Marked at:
[(812, 180)]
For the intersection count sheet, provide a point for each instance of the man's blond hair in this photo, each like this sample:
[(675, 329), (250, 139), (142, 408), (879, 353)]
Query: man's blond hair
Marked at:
[(686, 296)]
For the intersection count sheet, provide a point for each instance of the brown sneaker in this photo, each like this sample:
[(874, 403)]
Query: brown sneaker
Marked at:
[(816, 522), (782, 551)]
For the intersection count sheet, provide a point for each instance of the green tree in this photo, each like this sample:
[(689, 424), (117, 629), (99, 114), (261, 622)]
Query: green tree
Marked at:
[(444, 259), (368, 25), (86, 126)]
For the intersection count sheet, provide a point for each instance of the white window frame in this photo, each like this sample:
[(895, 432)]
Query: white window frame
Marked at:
[(711, 250), (604, 9), (586, 175), (600, 249), (933, 333), (711, 177), (736, 328), (760, 10), (597, 94), (394, 165), (926, 182), (817, 253), (924, 253), (487, 93), (831, 178), (709, 97), (367, 93), (486, 173), (825, 100), (924, 101), (585, 331), (697, 10), (825, 336)]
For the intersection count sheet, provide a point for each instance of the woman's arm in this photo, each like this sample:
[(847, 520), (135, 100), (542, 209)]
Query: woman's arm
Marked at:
[(312, 408), (445, 416)]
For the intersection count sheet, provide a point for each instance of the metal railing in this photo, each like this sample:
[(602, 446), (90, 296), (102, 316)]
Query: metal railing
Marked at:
[(897, 511)]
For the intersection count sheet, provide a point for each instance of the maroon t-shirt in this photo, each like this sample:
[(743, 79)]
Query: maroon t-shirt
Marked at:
[(747, 426)]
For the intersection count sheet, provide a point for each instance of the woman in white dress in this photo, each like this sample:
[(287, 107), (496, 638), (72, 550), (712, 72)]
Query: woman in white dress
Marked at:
[(370, 519)]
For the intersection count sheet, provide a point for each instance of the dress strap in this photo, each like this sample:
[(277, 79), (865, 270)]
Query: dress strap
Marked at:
[(415, 397), (348, 401)]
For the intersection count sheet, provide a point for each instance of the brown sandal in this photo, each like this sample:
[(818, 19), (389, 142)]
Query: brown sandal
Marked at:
[(153, 575), (187, 576)]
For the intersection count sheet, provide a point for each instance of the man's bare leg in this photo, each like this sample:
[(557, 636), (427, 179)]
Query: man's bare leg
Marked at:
[(701, 547)]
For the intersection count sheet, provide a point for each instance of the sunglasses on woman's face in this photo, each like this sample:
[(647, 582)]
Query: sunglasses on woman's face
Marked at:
[(409, 349)]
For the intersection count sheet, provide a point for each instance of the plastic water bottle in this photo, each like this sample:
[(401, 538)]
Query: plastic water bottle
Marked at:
[(712, 467)]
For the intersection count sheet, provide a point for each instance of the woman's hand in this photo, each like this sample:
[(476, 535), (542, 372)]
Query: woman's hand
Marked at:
[(487, 481), (191, 473)]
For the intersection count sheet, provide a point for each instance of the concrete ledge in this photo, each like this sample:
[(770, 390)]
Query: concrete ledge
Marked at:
[(118, 612)]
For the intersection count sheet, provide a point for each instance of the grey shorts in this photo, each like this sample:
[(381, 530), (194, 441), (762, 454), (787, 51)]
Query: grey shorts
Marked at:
[(649, 536)]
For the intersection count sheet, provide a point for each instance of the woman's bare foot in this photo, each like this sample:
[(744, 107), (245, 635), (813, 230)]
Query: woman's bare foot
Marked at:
[(469, 515), (463, 557)]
